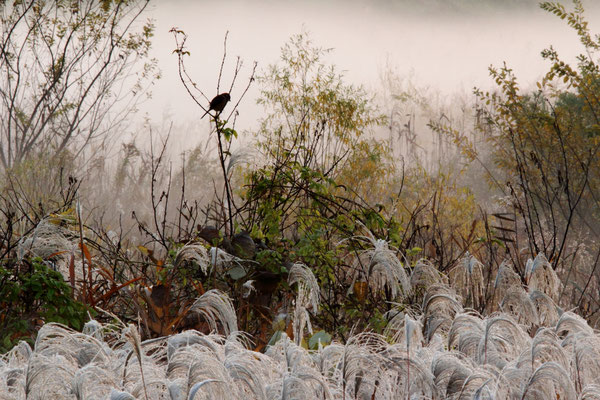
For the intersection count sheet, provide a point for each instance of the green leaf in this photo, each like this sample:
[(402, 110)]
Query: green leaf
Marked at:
[(237, 272), (319, 337), (275, 338)]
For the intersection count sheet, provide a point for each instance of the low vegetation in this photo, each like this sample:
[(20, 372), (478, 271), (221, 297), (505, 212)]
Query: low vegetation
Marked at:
[(440, 349)]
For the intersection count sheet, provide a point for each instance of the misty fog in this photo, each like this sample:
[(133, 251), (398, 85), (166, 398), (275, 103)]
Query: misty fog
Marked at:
[(446, 46)]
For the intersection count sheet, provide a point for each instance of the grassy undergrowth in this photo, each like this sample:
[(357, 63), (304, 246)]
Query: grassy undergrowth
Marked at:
[(439, 349)]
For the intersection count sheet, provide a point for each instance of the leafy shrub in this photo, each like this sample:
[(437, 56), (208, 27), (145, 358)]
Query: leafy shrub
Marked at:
[(32, 294)]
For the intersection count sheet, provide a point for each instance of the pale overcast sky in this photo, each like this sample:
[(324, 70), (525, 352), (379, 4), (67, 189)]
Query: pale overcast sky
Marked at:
[(448, 48)]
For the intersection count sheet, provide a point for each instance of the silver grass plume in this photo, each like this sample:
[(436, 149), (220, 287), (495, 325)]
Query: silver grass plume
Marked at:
[(418, 379), (189, 338), (402, 328), (545, 347), (440, 305), (222, 260), (246, 369), (193, 364), (425, 274), (465, 334), (302, 385), (81, 349), (540, 276), (590, 392), (242, 155), (196, 253), (517, 303), (546, 380), (298, 372), (381, 267), (584, 354), (359, 364), (457, 376), (51, 375), (118, 395), (308, 297), (503, 340), (199, 385), (93, 328), (18, 355), (570, 323), (511, 381), (47, 238), (132, 336), (410, 360), (216, 306), (467, 278), (93, 381), (483, 392), (304, 277), (548, 311), (506, 278)]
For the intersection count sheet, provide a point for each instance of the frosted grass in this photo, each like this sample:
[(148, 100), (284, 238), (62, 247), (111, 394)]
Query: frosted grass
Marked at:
[(529, 349)]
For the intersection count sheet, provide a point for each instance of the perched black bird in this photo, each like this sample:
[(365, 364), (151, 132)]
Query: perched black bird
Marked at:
[(218, 103), (243, 246), (211, 234)]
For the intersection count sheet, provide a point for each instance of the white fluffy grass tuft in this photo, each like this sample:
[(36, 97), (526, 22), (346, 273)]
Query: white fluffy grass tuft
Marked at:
[(217, 308), (307, 298), (530, 349)]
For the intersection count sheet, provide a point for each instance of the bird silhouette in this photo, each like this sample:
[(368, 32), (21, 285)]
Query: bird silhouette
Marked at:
[(218, 103)]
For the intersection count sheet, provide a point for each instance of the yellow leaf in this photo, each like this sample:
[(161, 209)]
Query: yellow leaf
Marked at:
[(143, 250), (360, 290)]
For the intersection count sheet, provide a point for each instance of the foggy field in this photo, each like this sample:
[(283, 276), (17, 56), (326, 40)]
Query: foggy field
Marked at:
[(282, 200)]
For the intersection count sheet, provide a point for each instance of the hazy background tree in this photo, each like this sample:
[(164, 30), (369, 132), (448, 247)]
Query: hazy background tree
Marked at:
[(544, 163), (70, 73)]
